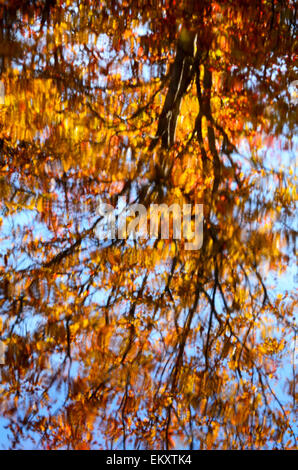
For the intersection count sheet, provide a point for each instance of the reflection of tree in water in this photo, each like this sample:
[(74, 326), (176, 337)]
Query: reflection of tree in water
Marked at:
[(135, 345)]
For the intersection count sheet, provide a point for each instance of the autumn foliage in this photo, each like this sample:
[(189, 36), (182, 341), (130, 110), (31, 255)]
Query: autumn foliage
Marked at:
[(141, 344)]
